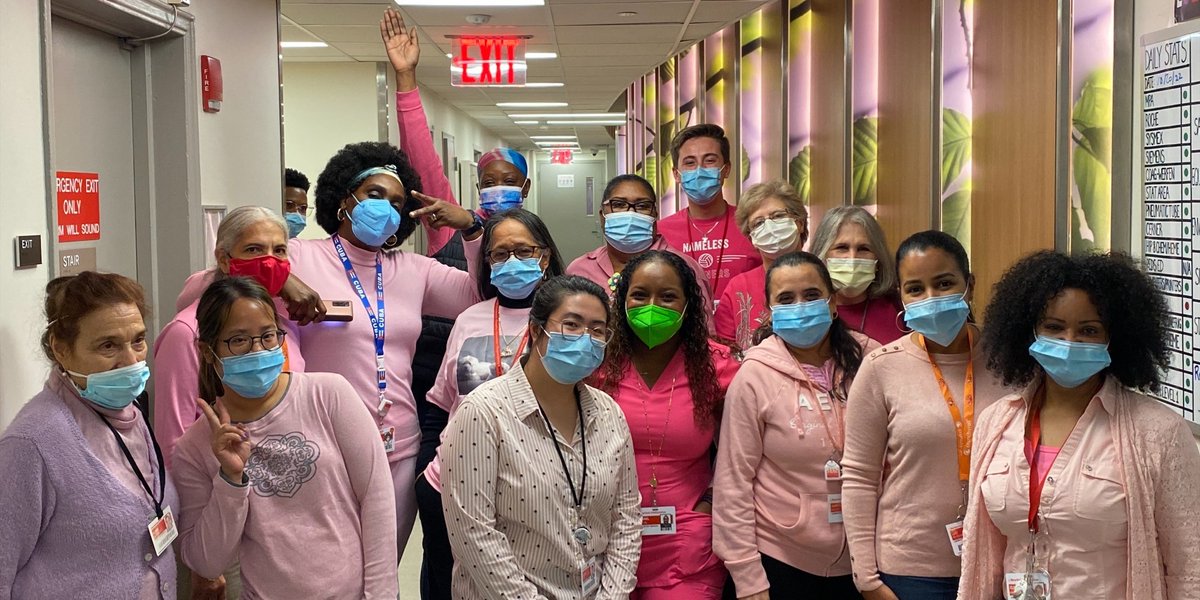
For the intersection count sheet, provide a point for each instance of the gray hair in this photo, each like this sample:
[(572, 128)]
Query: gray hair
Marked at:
[(759, 192), (238, 220), (886, 280)]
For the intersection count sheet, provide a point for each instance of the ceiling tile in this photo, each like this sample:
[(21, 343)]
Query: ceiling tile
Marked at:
[(616, 34), (651, 53), (606, 12), (723, 12), (430, 16)]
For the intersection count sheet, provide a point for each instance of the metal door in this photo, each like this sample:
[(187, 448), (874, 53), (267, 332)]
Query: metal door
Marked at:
[(568, 200)]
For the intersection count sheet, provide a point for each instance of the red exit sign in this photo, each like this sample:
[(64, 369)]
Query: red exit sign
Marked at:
[(488, 61)]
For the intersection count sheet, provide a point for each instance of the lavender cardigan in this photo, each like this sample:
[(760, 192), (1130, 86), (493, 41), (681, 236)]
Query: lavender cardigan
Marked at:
[(70, 529)]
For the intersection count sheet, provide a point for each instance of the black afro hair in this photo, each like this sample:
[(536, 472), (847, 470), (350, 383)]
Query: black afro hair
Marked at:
[(295, 179), (333, 185)]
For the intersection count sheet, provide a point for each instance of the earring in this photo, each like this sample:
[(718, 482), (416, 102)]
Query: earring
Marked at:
[(341, 214), (392, 241), (905, 328)]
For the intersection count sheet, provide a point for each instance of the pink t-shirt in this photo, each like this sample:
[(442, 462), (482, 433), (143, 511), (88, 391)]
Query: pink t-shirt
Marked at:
[(669, 444), (716, 244), (470, 361), (317, 517), (414, 285), (743, 308), (597, 266), (876, 317)]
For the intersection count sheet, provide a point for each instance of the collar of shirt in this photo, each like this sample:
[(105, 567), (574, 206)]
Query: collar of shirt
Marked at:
[(1108, 393), (525, 403)]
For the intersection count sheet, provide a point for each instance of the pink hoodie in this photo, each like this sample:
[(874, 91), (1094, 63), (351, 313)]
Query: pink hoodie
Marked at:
[(775, 446)]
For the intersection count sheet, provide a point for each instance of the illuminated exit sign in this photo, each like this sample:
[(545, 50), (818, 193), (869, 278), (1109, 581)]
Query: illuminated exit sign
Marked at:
[(488, 61)]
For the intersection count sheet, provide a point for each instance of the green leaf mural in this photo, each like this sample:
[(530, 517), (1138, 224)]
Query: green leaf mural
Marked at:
[(1091, 162), (956, 216), (863, 165), (956, 145), (745, 165), (798, 173)]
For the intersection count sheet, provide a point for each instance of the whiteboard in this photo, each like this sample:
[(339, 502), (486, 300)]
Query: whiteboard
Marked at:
[(1170, 124)]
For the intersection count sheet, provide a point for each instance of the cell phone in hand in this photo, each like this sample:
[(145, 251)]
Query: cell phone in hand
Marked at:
[(338, 310)]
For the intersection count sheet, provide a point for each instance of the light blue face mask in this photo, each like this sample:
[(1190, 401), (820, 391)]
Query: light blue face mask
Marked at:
[(373, 221), (803, 324), (499, 198), (702, 184), (1068, 363), (938, 318), (570, 361), (516, 278), (114, 389), (629, 232), (295, 223), (252, 375)]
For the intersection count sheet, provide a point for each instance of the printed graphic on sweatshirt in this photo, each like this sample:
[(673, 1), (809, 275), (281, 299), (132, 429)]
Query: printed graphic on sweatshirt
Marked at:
[(477, 361), (280, 464)]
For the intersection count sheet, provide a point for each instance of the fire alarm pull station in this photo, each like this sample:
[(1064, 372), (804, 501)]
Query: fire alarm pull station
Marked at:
[(211, 84)]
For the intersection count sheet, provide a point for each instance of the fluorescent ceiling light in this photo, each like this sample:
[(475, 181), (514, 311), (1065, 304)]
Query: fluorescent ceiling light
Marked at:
[(544, 84), (608, 116), (303, 45), (470, 2), (613, 123), (562, 143), (551, 137), (540, 55), (531, 104), (526, 122)]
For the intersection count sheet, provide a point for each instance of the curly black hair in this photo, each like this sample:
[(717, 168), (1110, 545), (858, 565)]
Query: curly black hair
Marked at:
[(295, 179), (334, 183), (1132, 309), (707, 395)]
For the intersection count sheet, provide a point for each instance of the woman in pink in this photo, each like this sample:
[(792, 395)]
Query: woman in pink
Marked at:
[(252, 241), (1113, 474), (486, 341), (669, 380), (908, 432), (777, 517), (629, 218), (283, 473), (856, 253), (368, 200), (773, 217)]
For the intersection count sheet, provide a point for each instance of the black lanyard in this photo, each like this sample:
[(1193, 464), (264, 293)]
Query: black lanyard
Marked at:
[(162, 473), (578, 498)]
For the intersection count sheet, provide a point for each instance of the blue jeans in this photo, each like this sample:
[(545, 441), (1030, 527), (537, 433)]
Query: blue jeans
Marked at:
[(908, 587)]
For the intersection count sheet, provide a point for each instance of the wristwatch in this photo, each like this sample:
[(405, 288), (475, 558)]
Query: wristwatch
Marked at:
[(476, 226)]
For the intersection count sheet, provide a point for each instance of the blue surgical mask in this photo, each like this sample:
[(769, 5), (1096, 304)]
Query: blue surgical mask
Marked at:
[(295, 223), (938, 318), (701, 185), (1069, 364), (498, 198), (374, 220), (516, 278), (629, 232), (252, 375), (117, 388), (570, 360), (803, 324)]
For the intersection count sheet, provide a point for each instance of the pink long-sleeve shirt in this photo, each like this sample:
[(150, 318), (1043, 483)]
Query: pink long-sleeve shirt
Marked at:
[(414, 285), (317, 517), (1119, 503), (417, 143), (900, 486), (771, 495), (177, 376)]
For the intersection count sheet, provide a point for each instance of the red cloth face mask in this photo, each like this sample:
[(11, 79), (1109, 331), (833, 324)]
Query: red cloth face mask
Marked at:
[(268, 271)]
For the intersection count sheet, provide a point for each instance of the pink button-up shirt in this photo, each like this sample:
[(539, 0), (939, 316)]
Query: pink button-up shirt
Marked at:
[(1083, 506)]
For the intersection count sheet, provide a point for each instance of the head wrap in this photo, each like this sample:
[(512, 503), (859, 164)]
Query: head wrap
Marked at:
[(389, 170), (507, 155)]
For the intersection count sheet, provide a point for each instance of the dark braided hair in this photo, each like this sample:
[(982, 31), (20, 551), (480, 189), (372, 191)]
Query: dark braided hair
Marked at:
[(707, 395)]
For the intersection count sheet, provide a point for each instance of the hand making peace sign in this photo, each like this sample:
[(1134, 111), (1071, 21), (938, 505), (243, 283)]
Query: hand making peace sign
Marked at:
[(230, 443)]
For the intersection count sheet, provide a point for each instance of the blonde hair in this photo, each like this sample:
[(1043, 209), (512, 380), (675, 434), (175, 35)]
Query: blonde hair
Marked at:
[(759, 193), (886, 280)]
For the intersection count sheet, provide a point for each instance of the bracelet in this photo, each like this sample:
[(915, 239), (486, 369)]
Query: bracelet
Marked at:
[(707, 497), (476, 226)]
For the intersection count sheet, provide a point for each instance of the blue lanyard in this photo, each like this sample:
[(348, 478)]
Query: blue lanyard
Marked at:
[(376, 316)]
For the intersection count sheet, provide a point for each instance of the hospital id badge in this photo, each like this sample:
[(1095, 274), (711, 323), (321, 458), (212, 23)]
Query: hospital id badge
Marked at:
[(589, 577), (1027, 586), (388, 434), (955, 532), (835, 508), (658, 520), (833, 470), (163, 531)]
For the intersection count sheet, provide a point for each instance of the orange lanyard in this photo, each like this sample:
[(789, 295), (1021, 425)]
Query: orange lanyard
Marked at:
[(496, 335), (964, 422)]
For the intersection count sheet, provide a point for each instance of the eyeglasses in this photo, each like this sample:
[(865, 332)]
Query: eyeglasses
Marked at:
[(573, 330), (646, 207), (290, 206), (779, 214), (496, 257), (244, 344)]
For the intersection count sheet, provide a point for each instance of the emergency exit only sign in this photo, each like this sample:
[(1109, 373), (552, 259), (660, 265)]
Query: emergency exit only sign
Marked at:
[(78, 206)]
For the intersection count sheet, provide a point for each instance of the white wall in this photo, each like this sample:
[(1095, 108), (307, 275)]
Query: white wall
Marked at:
[(23, 198)]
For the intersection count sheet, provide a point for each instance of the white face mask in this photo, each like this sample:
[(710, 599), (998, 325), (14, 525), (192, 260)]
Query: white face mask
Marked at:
[(851, 276), (776, 237)]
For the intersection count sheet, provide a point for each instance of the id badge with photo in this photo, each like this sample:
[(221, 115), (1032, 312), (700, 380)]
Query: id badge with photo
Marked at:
[(589, 577), (163, 531), (658, 520), (388, 434), (1027, 586), (835, 508), (955, 532)]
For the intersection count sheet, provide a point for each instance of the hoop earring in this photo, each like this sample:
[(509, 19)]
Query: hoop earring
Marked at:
[(392, 241), (341, 214), (904, 328)]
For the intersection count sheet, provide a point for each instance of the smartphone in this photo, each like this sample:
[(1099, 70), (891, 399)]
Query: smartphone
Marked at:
[(338, 310)]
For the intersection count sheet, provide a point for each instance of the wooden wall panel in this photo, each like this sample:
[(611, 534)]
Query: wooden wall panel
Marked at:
[(1016, 57), (906, 108), (830, 117)]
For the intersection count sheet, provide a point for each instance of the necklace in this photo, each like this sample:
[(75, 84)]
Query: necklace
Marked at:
[(661, 442), (703, 234)]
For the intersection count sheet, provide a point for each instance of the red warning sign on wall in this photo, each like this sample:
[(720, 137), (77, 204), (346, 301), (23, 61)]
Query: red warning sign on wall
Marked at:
[(78, 206)]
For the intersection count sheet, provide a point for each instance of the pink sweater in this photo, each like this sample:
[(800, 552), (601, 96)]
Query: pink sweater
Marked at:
[(1161, 466), (414, 285), (901, 484), (771, 496), (417, 144), (318, 515)]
